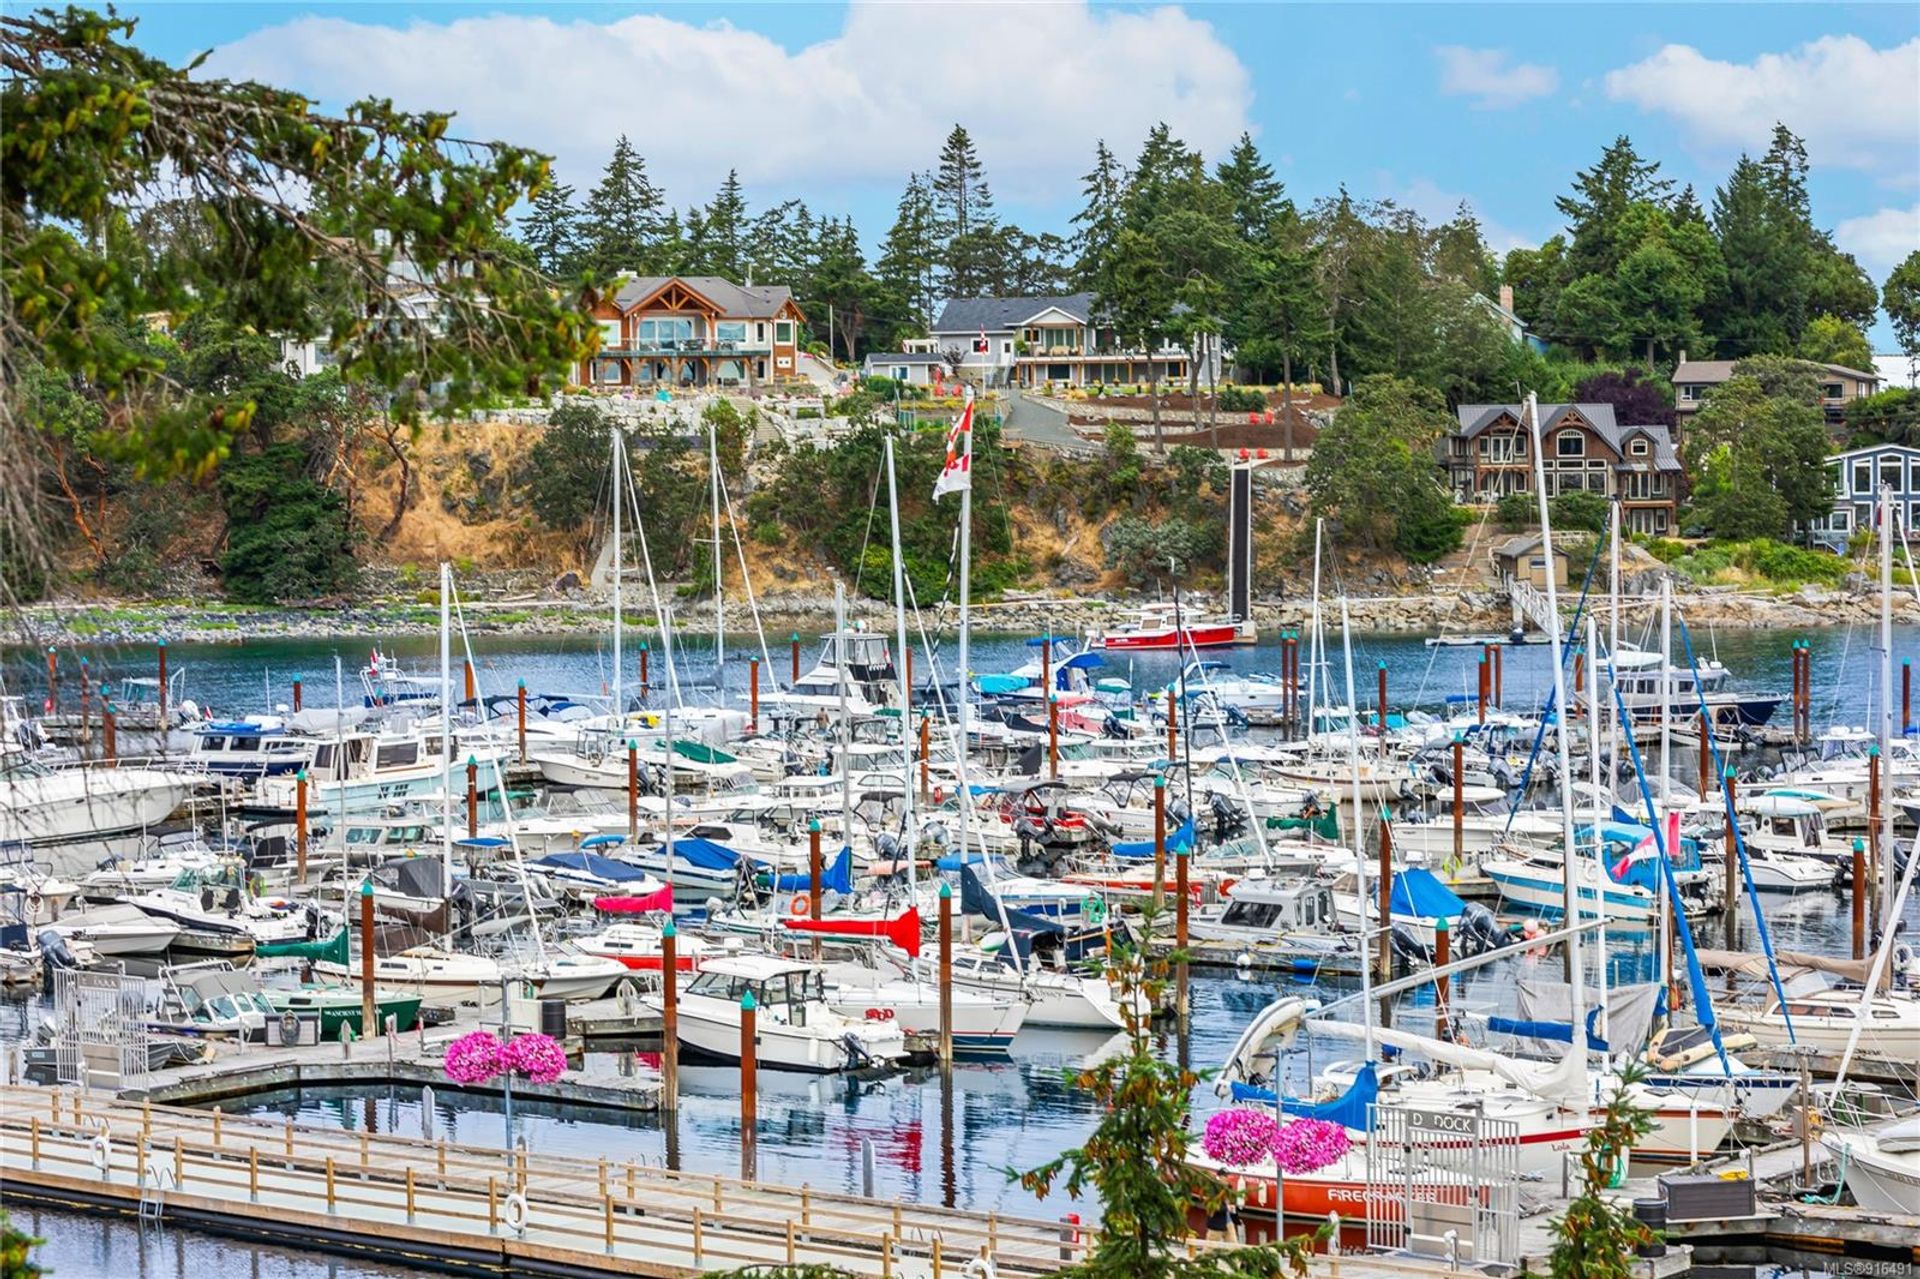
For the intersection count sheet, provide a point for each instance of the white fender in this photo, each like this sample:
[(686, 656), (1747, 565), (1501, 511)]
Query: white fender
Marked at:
[(102, 1152), (514, 1213)]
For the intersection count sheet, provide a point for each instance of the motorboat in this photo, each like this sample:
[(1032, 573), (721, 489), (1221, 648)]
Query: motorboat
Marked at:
[(69, 813), (118, 930), (250, 748), (638, 947), (855, 669), (1158, 626), (795, 1027), (362, 771), (1882, 1167), (1814, 1014), (983, 1022), (220, 909), (209, 998)]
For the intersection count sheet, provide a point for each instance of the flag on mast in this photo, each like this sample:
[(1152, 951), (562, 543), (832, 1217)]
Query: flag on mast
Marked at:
[(957, 474)]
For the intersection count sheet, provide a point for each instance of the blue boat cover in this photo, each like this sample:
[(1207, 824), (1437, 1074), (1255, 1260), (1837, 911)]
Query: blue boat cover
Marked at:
[(1350, 1109), (706, 854), (1558, 1031), (602, 841), (1139, 848), (953, 861), (992, 684), (1419, 892), (838, 876), (593, 864)]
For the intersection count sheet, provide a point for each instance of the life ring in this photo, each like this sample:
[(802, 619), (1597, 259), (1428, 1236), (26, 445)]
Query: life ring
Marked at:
[(800, 906), (514, 1213), (1094, 910), (102, 1152)]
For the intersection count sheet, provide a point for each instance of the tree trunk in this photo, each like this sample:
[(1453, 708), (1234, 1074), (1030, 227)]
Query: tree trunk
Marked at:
[(1286, 403), (1333, 367), (1213, 400), (406, 483), (79, 507), (1159, 436)]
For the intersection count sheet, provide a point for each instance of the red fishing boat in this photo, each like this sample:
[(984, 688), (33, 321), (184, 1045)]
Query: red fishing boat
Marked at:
[(1155, 627)]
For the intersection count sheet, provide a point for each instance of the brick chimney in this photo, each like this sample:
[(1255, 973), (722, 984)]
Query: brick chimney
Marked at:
[(1506, 297)]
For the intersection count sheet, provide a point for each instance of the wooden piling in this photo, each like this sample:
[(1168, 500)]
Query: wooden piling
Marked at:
[(296, 696), (1459, 800), (633, 787), (753, 694), (1859, 899), (646, 679), (926, 743), (160, 653), (1499, 663), (1730, 900), (749, 1089), (520, 712), (1053, 736), (473, 798), (109, 732), (467, 685), (53, 681), (1906, 695), (1442, 985), (1480, 695), (669, 1017), (1159, 837), (1380, 711), (813, 873), (1180, 903), (1876, 843), (1383, 963), (1173, 723), (1706, 751), (300, 827), (946, 975), (795, 641), (368, 1014)]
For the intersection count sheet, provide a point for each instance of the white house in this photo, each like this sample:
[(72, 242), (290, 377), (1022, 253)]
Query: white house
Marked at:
[(1857, 477), (1037, 341), (911, 368)]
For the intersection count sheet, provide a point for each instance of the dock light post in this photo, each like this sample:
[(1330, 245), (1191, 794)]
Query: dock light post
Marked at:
[(367, 1014), (473, 797), (520, 711), (749, 1086), (300, 827), (669, 1016), (946, 975)]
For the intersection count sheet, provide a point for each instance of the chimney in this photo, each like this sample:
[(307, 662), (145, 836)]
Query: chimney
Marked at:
[(1506, 297), (1683, 355)]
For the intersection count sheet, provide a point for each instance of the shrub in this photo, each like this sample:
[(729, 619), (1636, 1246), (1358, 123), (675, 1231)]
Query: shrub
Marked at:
[(1664, 549), (1579, 510), (1242, 399), (885, 387), (1517, 511), (288, 536)]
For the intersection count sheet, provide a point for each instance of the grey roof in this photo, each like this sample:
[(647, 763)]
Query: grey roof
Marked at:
[(1519, 544), (1476, 418), (971, 315), (904, 357), (752, 301), (1703, 370)]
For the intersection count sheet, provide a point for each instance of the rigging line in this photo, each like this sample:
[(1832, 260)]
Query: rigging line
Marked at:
[(1710, 743), (866, 538), (653, 585), (1459, 598), (753, 604)]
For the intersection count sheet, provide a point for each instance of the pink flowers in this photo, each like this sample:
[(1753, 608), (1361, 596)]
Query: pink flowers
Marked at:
[(536, 1057), (473, 1058), (478, 1056), (1243, 1136)]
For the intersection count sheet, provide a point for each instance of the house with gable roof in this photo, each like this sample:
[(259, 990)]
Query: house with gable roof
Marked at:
[(693, 330), (1490, 454), (1057, 340)]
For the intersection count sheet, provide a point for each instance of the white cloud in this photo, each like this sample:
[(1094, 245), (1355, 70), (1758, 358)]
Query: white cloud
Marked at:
[(1035, 85), (1880, 240), (1490, 78), (1854, 104)]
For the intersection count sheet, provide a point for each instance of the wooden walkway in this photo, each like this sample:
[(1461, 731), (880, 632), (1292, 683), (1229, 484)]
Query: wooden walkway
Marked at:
[(421, 1201)]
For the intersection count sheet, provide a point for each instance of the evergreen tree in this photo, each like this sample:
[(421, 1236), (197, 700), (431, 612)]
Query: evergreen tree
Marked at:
[(963, 209), (1752, 313), (1460, 253), (722, 237), (1098, 223), (1902, 299), (1256, 196), (1291, 314), (1165, 171), (911, 251), (551, 229), (1338, 233), (622, 224), (1600, 200)]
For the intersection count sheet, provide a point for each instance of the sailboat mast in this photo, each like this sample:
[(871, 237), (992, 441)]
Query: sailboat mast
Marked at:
[(719, 572), (1600, 805), (1882, 838), (619, 470), (446, 732), (1359, 839), (666, 740), (1613, 637), (1314, 655), (1663, 962), (845, 731), (1560, 722), (906, 694)]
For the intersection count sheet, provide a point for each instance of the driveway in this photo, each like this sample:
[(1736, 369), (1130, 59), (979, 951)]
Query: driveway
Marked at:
[(1039, 421)]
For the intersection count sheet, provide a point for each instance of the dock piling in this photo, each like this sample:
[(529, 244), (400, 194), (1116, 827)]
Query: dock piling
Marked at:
[(1876, 846), (946, 975), (300, 827), (926, 741), (520, 714), (644, 679), (1442, 956), (468, 664), (1730, 901), (473, 797), (1053, 736), (795, 641), (1380, 708), (297, 699), (1459, 800), (669, 1025), (160, 653), (1499, 693), (367, 1013), (1383, 964), (749, 1088), (1159, 837), (753, 694), (109, 736), (1859, 899), (813, 873), (633, 786), (53, 681), (1180, 902)]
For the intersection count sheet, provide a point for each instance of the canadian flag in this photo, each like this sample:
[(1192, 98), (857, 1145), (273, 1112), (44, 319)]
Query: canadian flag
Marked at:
[(957, 474)]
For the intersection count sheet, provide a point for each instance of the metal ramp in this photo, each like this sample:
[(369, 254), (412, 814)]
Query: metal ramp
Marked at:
[(1530, 606), (1444, 1184), (100, 1028)]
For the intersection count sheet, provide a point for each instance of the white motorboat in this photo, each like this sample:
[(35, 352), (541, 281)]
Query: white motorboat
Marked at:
[(211, 998), (251, 748), (1882, 1166), (795, 1028), (119, 877), (220, 908), (983, 1022), (638, 947), (118, 930), (70, 813), (359, 772), (1056, 996), (1826, 1019)]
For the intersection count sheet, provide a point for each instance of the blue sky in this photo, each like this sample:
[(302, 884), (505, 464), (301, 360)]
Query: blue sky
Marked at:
[(1427, 104)]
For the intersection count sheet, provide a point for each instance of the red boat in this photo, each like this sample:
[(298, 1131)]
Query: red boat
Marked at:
[(1155, 628), (638, 947)]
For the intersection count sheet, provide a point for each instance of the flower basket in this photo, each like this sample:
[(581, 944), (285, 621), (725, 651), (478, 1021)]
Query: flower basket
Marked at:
[(1241, 1137), (479, 1056)]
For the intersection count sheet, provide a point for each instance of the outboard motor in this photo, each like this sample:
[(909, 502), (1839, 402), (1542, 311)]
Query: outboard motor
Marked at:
[(1478, 931), (1407, 946), (1227, 818), (857, 1055), (54, 954)]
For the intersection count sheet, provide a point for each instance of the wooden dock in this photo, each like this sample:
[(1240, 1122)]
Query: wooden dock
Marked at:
[(468, 1208)]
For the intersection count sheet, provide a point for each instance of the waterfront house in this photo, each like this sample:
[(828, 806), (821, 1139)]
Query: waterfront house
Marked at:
[(1521, 559), (1839, 385), (1053, 341), (909, 368), (1857, 477), (1490, 454), (693, 330), (1503, 314)]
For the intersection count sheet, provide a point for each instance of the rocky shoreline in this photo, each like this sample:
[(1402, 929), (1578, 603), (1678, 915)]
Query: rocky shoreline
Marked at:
[(1456, 612)]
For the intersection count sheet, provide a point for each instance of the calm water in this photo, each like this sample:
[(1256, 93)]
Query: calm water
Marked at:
[(932, 1143)]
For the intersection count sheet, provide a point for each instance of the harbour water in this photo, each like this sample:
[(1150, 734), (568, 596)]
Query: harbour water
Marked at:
[(934, 1140)]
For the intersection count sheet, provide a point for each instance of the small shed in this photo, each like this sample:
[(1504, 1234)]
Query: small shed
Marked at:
[(1521, 558), (914, 368)]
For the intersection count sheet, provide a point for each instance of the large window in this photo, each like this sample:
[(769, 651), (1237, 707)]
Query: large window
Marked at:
[(606, 370), (666, 331), (783, 331), (1862, 477), (1569, 444), (730, 331), (610, 339)]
